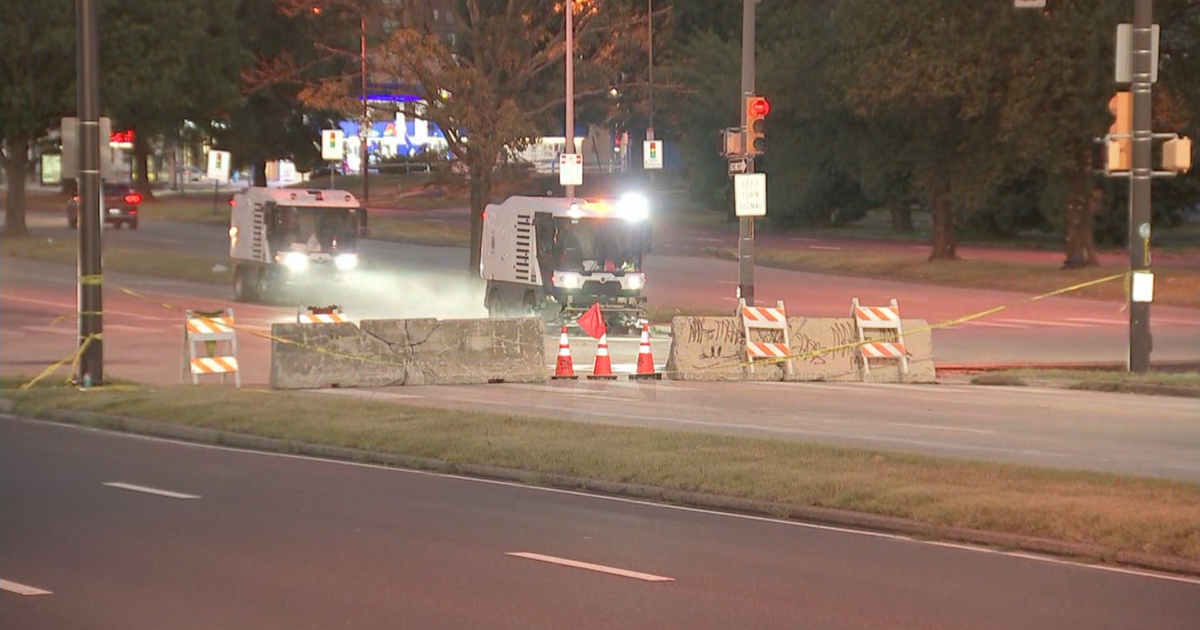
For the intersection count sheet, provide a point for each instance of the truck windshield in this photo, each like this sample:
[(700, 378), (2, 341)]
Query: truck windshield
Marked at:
[(599, 244), (318, 229)]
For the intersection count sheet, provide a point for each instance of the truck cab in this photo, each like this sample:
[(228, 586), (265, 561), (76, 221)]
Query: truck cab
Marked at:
[(280, 237), (556, 257)]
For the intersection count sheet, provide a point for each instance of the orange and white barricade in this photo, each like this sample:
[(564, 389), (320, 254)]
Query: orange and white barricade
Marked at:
[(889, 345), (321, 315), (216, 331), (766, 318)]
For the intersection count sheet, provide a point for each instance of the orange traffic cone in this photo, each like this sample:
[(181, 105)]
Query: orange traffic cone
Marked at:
[(566, 367), (645, 362), (603, 367)]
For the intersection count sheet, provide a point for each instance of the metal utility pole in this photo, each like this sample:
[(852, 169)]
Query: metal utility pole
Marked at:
[(746, 224), (650, 81), (570, 146), (87, 39), (1139, 197), (362, 130)]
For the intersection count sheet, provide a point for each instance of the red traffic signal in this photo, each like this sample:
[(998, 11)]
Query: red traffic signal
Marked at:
[(757, 107)]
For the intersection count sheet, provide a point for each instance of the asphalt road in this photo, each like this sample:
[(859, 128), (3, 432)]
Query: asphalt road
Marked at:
[(428, 281), (279, 542)]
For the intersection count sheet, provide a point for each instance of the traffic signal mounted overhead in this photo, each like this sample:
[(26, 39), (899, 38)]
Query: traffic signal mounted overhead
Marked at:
[(1119, 143), (757, 109)]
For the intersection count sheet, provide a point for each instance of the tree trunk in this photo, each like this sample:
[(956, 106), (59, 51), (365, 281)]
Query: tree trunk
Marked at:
[(902, 220), (141, 163), (17, 150), (944, 243), (260, 174), (1080, 239), (481, 193)]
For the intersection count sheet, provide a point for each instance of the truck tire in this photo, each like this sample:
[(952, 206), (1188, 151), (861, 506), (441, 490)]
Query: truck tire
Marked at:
[(245, 283)]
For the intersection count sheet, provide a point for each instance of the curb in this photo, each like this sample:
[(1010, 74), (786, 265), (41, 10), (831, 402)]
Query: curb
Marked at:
[(1086, 553)]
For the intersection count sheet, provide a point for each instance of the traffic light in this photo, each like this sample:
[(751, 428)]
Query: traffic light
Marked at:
[(757, 109), (1120, 141)]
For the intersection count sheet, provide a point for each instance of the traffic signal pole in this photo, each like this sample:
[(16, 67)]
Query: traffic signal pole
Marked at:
[(1141, 168), (746, 224), (90, 366)]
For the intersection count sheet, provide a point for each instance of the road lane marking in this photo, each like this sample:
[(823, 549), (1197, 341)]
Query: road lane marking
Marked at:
[(71, 308), (937, 428), (11, 333), (1039, 322), (991, 325), (826, 248), (629, 501), (1095, 320), (155, 491), (599, 568), (51, 329), (21, 589)]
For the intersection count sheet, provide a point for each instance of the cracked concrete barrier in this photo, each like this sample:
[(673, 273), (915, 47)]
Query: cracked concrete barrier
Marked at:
[(380, 353), (714, 349)]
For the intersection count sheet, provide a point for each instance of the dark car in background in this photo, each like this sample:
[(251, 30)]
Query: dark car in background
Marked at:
[(119, 206)]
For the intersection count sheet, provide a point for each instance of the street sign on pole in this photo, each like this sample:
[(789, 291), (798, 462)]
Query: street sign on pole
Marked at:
[(750, 194), (70, 148), (570, 169), (652, 154), (737, 165), (1123, 62), (332, 145), (218, 165)]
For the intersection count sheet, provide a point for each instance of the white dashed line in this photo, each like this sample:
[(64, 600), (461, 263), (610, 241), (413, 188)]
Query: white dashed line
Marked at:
[(599, 568), (21, 589), (146, 490)]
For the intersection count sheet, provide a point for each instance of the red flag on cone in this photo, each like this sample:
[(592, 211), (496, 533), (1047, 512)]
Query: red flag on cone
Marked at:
[(645, 361), (566, 367), (603, 367), (592, 322)]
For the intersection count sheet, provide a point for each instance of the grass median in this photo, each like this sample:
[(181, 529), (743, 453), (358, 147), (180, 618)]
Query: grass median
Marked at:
[(1116, 512), (1178, 383), (143, 261)]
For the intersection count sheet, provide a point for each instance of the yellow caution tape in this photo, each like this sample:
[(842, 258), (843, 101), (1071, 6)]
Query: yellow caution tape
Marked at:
[(931, 327)]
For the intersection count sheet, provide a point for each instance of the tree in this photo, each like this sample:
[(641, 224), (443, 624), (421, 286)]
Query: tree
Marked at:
[(932, 67), (498, 84), (37, 74), (166, 62), (270, 121)]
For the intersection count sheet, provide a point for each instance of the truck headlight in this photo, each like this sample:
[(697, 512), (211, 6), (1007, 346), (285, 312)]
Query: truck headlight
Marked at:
[(295, 261), (346, 262), (635, 281), (634, 207), (569, 280)]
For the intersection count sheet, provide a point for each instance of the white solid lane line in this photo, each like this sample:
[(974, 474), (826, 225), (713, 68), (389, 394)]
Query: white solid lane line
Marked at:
[(599, 568), (21, 589), (937, 428), (154, 491)]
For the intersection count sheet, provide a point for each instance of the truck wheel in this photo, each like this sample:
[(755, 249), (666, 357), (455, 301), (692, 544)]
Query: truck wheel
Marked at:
[(245, 283)]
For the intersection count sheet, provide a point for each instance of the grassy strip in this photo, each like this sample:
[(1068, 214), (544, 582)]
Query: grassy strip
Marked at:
[(139, 261), (1169, 379), (1118, 512), (420, 232), (1177, 287)]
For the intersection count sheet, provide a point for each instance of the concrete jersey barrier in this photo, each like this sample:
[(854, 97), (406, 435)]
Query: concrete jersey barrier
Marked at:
[(408, 352), (713, 349)]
